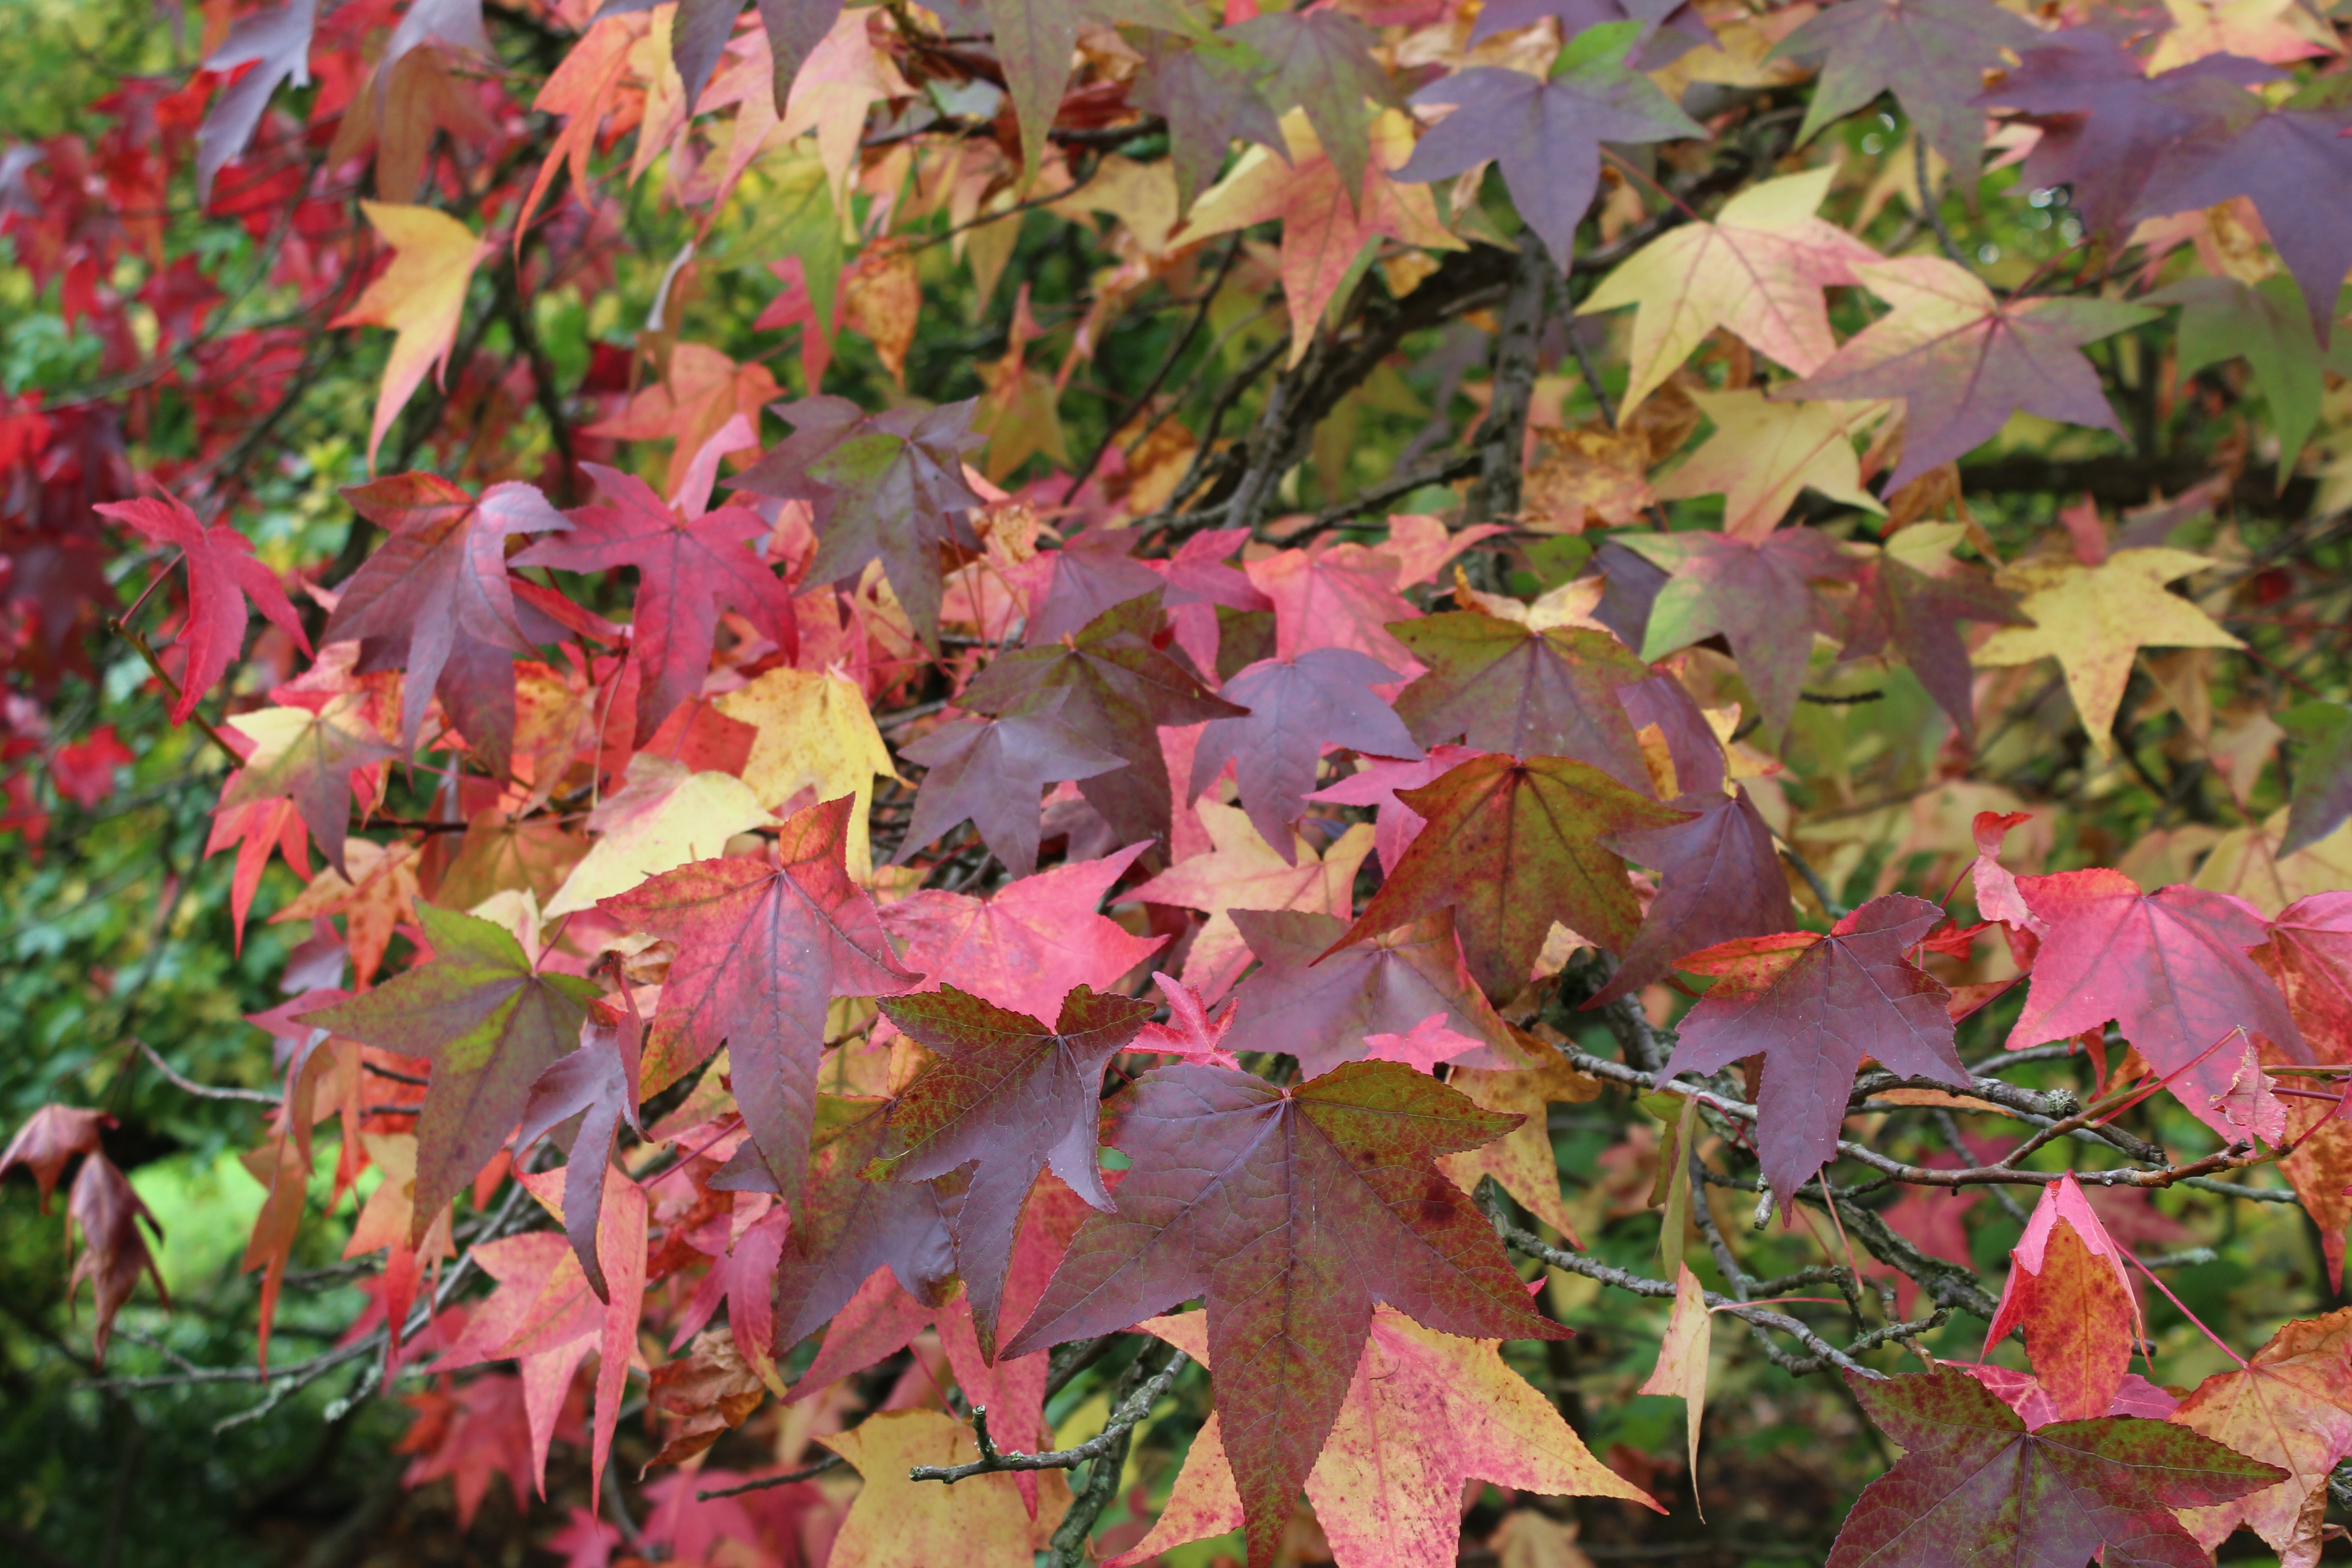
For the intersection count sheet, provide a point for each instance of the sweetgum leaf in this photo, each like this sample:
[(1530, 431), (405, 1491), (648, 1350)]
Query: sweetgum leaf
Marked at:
[(1931, 53), (1512, 847), (1296, 707), (1321, 61), (1121, 689), (597, 1083), (1295, 1212), (688, 570), (1206, 89), (1029, 944), (2323, 775), (1502, 686), (489, 1023), (2291, 1404), (1913, 598), (222, 575), (1813, 1006), (1322, 1012), (1975, 1488), (308, 758), (993, 772), (435, 599), (762, 949), (1721, 881), (1011, 1096)]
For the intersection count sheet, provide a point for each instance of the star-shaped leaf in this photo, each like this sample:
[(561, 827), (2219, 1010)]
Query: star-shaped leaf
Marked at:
[(1546, 136), (489, 1023), (1762, 453), (688, 570), (222, 575), (421, 297), (1813, 1006), (597, 1083), (2323, 776), (308, 758), (2290, 1405), (762, 949), (1505, 686), (1242, 871), (1759, 268), (1294, 1211), (1324, 1012), (1320, 63), (1296, 707), (1206, 89), (1963, 360), (1975, 1488), (2093, 619), (993, 772), (2264, 323), (1511, 846), (1009, 1096), (435, 600), (1932, 53), (1029, 944), (1721, 881), (1914, 598)]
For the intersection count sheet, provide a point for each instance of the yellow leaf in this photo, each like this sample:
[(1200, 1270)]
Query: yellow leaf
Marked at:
[(896, 1523), (814, 733), (420, 297), (1682, 1359), (1759, 268), (2093, 619), (1762, 453), (664, 817)]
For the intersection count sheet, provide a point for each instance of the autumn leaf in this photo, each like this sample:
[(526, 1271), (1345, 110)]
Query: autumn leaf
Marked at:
[(489, 1023), (1546, 136), (2093, 619), (1424, 1412), (894, 1519), (1206, 89), (1963, 360), (1323, 1010), (222, 575), (2264, 323), (1763, 453), (1930, 54), (1759, 268), (2288, 1405), (1499, 685), (1683, 1355), (991, 772), (1322, 698), (276, 43), (688, 570), (762, 948), (1974, 1486), (2172, 970), (597, 1083), (1522, 1159), (1192, 1034), (50, 1139), (2079, 1317), (2322, 782), (1321, 63), (1721, 880), (1009, 1096), (107, 1214), (1914, 598), (1242, 871), (661, 818), (1812, 1006), (1288, 1208), (420, 297), (308, 758), (2308, 955), (1028, 944), (815, 733), (1512, 847)]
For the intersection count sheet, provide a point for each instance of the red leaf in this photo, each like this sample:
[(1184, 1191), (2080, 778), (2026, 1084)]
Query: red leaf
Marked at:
[(1324, 1013), (222, 575), (107, 1211), (1722, 881), (1296, 707), (598, 1083), (1026, 945), (51, 1137)]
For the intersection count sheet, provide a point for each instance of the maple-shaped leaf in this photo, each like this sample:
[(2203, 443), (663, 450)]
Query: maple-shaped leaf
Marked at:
[(1009, 1096), (1295, 1212), (308, 758), (1326, 223), (1240, 870), (1545, 134), (421, 297), (762, 949), (1375, 785), (662, 818), (2171, 970), (1656, 18), (886, 487), (2264, 323), (2106, 122), (1321, 64), (1121, 689), (1756, 593), (688, 570), (435, 599), (1206, 89), (597, 1083), (222, 575), (1296, 707), (1914, 598), (895, 1519), (1323, 1012), (1757, 269), (1975, 1487), (107, 1212), (1720, 880), (1813, 1006), (1501, 685), (1762, 453), (1090, 573), (812, 730), (993, 771), (488, 1021), (845, 1227), (2093, 619), (1192, 1033), (2080, 1320), (51, 1138), (2290, 1405), (1424, 1413), (2275, 158), (1029, 944), (1932, 53), (276, 43), (1963, 360), (2309, 956), (1513, 846)]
